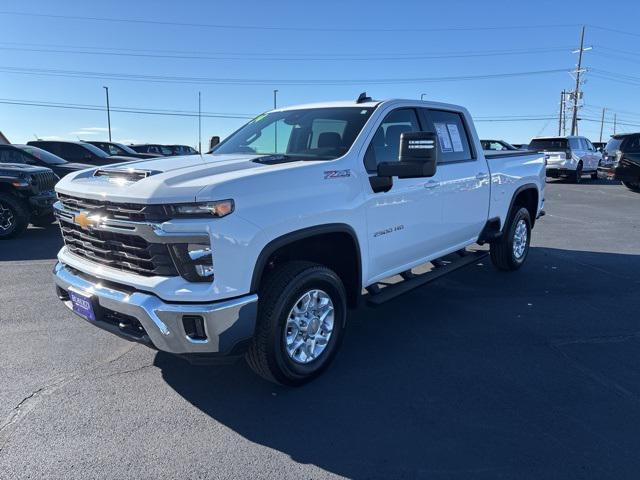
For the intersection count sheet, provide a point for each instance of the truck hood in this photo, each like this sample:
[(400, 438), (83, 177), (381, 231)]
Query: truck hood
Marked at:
[(163, 179)]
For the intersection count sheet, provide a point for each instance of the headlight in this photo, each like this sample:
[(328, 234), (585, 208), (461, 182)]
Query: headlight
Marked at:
[(220, 208), (194, 261)]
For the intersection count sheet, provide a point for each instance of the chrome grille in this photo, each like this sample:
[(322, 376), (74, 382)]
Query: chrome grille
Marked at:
[(118, 250), (118, 211)]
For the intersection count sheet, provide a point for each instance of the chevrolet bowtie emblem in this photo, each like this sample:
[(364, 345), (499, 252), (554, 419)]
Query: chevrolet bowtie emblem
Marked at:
[(84, 220)]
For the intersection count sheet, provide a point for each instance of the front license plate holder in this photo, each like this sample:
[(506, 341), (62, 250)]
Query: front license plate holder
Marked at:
[(83, 304)]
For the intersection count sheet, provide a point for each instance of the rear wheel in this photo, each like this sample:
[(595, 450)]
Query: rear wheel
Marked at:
[(577, 175), (634, 186), (14, 216), (511, 250), (301, 320)]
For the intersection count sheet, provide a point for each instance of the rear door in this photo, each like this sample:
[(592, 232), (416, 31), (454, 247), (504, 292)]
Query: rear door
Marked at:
[(403, 223), (593, 154), (464, 178)]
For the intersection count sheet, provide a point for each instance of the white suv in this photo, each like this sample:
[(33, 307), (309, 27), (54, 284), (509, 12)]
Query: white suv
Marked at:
[(568, 156)]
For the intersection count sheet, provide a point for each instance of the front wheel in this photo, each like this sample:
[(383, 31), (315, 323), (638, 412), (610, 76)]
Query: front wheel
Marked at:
[(634, 186), (511, 250), (14, 216), (301, 319)]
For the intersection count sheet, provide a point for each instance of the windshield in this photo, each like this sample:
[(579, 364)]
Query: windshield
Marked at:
[(309, 134), (548, 144), (124, 148), (42, 155)]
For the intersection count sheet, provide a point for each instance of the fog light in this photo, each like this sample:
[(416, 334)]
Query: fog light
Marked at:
[(194, 261)]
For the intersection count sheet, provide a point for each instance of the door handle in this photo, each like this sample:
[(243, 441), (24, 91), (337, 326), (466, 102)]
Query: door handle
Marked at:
[(482, 176), (431, 184)]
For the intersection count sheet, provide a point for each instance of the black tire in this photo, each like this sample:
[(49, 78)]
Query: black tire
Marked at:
[(577, 175), (267, 355), (14, 216), (43, 220), (633, 186), (502, 251)]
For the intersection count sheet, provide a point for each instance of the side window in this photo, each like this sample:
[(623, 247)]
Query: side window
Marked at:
[(590, 146), (452, 136), (385, 145), (632, 145), (574, 144), (73, 153), (9, 155)]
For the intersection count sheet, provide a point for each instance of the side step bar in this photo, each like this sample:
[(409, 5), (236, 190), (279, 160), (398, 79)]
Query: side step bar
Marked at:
[(379, 295)]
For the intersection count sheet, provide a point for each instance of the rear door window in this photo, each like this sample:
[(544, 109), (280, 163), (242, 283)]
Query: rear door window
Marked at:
[(632, 145), (453, 138), (9, 155), (574, 144), (74, 153)]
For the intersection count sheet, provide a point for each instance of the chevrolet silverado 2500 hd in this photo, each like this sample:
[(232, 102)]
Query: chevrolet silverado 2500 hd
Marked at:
[(260, 247)]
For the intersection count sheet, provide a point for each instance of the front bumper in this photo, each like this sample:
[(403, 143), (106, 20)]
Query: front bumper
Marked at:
[(556, 172), (145, 318)]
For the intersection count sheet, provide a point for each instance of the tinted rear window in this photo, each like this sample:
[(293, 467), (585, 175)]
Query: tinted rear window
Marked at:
[(632, 144), (613, 145), (548, 144)]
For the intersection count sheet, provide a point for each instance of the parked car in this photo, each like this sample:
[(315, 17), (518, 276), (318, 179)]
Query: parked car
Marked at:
[(79, 152), (568, 157), (152, 148), (29, 155), (621, 160), (599, 146), (113, 148), (496, 145), (26, 196), (182, 150), (256, 252)]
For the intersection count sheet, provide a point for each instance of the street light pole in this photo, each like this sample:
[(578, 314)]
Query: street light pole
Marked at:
[(275, 125), (108, 111), (199, 123)]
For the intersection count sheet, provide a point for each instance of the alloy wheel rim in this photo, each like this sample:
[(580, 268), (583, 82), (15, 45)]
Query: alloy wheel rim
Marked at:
[(7, 219), (520, 237), (309, 326)]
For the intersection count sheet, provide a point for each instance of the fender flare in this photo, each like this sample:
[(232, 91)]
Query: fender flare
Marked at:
[(298, 235), (518, 191)]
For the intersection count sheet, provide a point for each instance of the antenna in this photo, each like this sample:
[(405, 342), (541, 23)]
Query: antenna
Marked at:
[(363, 98)]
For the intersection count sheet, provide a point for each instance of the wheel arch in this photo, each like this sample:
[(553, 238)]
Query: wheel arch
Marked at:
[(334, 245), (527, 196)]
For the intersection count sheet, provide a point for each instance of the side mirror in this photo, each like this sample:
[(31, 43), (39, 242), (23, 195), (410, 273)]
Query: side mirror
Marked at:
[(418, 157), (215, 140)]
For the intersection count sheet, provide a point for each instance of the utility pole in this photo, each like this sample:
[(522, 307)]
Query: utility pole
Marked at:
[(602, 125), (614, 122), (561, 113), (576, 92), (108, 112), (199, 123)]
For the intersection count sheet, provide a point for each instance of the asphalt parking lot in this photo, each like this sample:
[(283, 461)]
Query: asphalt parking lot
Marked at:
[(534, 374)]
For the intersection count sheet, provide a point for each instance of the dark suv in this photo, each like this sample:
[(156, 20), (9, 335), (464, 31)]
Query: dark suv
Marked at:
[(26, 196), (621, 160), (30, 155), (79, 152), (113, 148)]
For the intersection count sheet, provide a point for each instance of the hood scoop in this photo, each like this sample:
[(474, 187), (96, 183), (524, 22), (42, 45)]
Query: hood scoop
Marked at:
[(123, 176)]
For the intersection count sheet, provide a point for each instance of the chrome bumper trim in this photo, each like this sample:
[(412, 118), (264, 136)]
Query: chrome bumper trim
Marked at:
[(226, 322)]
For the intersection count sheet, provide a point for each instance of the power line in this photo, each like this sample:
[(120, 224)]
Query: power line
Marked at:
[(281, 28), (247, 81), (271, 58), (140, 111)]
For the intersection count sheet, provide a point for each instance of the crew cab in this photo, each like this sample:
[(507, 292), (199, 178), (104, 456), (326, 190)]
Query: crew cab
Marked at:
[(568, 157), (261, 247), (621, 160)]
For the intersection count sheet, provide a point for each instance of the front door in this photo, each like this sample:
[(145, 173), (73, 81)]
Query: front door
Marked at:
[(403, 223)]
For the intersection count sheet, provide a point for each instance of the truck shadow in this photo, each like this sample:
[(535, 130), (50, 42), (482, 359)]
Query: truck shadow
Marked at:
[(35, 244), (475, 375)]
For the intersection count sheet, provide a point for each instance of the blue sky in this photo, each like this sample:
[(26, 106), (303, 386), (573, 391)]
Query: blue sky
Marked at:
[(312, 41)]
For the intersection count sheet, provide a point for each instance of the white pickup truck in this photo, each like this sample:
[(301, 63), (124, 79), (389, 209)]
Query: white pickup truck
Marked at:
[(260, 247)]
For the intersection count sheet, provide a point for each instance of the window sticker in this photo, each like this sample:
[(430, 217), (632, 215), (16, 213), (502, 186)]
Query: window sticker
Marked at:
[(443, 137), (455, 137)]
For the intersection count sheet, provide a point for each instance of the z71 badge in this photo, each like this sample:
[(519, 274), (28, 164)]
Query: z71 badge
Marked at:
[(336, 174)]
